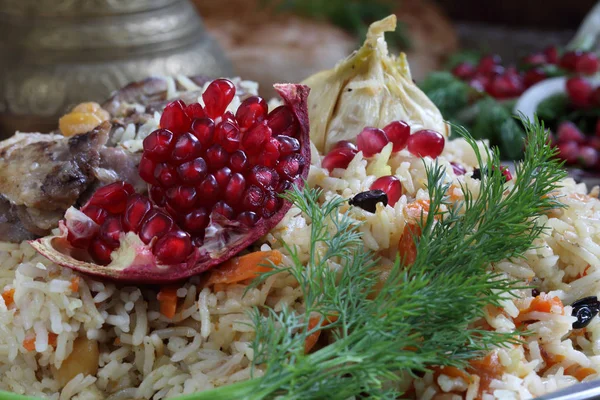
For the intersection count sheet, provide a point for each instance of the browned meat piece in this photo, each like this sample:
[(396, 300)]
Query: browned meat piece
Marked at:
[(11, 227)]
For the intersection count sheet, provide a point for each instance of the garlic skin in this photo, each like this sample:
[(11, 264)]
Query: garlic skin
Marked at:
[(369, 88)]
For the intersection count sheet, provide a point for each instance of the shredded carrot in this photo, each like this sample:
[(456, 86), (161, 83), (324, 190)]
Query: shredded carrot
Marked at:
[(488, 369), (9, 296), (117, 342), (585, 272), (75, 284), (416, 208), (29, 343), (312, 339), (579, 372), (52, 339), (167, 298), (406, 246), (245, 267), (544, 303), (452, 372)]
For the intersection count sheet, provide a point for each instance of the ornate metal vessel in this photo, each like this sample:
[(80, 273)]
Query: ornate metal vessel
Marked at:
[(57, 53)]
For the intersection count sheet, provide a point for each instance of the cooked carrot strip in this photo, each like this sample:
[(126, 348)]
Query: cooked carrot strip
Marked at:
[(167, 298), (29, 343), (406, 246), (312, 339), (52, 339), (452, 372), (9, 296), (544, 303), (248, 266), (579, 372), (75, 284)]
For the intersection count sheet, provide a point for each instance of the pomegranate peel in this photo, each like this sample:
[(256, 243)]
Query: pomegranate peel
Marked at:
[(137, 260)]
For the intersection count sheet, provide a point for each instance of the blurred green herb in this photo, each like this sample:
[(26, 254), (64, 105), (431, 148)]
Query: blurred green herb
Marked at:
[(556, 109)]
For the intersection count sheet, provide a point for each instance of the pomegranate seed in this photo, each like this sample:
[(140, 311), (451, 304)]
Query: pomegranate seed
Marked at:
[(156, 224), (224, 209), (137, 208), (81, 230), (209, 190), (248, 218), (487, 65), (173, 248), (238, 161), (568, 151), (287, 144), (398, 133), (480, 83), (113, 197), (568, 131), (100, 252), (391, 186), (235, 189), (338, 158), (282, 122), (551, 54), (426, 143), (222, 176), (588, 156), (587, 64), (533, 76), (346, 144), (228, 135), (216, 157), (181, 198), (204, 130), (464, 70), (252, 110), (253, 198), (284, 186), (458, 169), (569, 59), (146, 170), (291, 166), (166, 175), (270, 155), (195, 111), (174, 118), (594, 143), (217, 97), (158, 145), (505, 86), (371, 141), (579, 91), (271, 204), (255, 138), (535, 59), (157, 195), (110, 231), (192, 171), (196, 221), (595, 97), (96, 213), (187, 147), (264, 177), (506, 173)]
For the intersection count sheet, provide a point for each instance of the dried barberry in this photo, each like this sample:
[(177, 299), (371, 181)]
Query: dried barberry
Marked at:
[(585, 310), (368, 200)]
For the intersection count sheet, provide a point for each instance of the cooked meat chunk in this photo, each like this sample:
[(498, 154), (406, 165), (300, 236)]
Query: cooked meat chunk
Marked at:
[(11, 227)]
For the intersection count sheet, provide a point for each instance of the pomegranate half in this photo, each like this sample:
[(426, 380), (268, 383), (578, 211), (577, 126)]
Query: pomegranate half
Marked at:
[(191, 223)]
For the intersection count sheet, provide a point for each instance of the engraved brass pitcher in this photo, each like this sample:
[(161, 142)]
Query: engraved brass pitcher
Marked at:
[(57, 53)]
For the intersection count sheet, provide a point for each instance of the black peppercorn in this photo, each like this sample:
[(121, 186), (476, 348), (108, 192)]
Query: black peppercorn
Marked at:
[(368, 200), (585, 310), (476, 174), (535, 292)]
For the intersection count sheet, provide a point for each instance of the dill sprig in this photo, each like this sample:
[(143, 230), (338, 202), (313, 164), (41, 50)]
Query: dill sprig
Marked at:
[(421, 316)]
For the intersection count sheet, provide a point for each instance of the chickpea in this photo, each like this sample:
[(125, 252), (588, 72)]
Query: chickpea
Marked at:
[(82, 360)]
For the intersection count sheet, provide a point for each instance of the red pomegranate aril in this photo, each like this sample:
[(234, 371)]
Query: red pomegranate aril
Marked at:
[(282, 122), (110, 231), (480, 83), (238, 161), (338, 158), (264, 177), (371, 141), (166, 175), (594, 99), (235, 189), (193, 171), (568, 151), (579, 91), (256, 137), (173, 248), (588, 156), (100, 251), (398, 133), (391, 185), (587, 63), (271, 205), (96, 213), (535, 59), (505, 86), (204, 129), (287, 144), (346, 144), (157, 195), (113, 197), (569, 59), (137, 208), (426, 143), (271, 154), (568, 131), (156, 224), (224, 209), (594, 142), (146, 170), (464, 70), (551, 54), (174, 117), (228, 135), (181, 199), (209, 190), (284, 186), (222, 176), (81, 229), (291, 166), (458, 169), (253, 198), (195, 111), (158, 145), (196, 221), (187, 147), (217, 97), (252, 110), (533, 76), (488, 64), (506, 173), (216, 157), (248, 218)]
